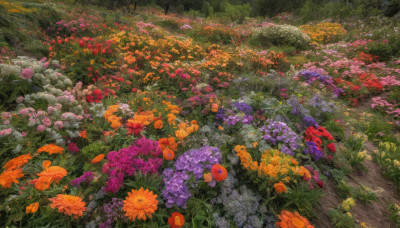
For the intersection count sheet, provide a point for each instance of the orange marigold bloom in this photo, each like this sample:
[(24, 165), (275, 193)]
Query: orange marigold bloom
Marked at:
[(280, 187), (168, 154), (139, 204), (181, 134), (83, 134), (292, 220), (46, 164), (176, 220), (68, 204), (207, 177), (17, 162), (47, 176), (158, 124), (8, 177), (32, 208), (51, 149), (97, 159), (219, 172)]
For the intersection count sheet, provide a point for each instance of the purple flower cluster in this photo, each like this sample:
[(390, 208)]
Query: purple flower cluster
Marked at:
[(313, 150), (113, 211), (192, 163), (129, 160), (309, 121), (279, 134), (312, 76), (86, 177), (243, 107), (297, 108)]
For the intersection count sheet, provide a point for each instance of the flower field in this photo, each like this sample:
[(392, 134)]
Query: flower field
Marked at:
[(112, 119)]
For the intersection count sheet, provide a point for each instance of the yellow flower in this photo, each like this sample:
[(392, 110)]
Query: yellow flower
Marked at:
[(348, 204)]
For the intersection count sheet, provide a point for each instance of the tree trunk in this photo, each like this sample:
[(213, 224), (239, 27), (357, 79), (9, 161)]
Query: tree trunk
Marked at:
[(166, 9)]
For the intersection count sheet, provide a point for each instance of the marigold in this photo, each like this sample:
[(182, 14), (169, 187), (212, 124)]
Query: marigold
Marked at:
[(17, 162), (32, 208), (280, 187), (207, 177), (51, 149), (97, 159), (83, 134), (168, 154), (158, 124), (219, 172), (292, 220), (177, 220), (8, 177), (68, 204), (46, 164), (47, 176), (139, 204)]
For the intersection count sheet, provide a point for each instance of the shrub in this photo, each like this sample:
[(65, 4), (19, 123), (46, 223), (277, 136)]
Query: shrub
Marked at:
[(283, 35), (324, 32)]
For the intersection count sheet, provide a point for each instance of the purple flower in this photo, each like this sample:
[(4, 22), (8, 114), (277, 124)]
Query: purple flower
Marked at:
[(312, 150), (278, 133), (86, 177)]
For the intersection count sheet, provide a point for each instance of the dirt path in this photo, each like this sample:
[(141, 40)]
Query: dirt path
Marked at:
[(373, 214)]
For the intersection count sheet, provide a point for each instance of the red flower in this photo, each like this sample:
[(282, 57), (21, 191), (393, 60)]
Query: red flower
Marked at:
[(176, 220), (219, 172), (134, 127), (331, 147)]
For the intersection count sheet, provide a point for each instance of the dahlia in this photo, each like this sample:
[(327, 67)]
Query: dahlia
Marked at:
[(292, 220), (140, 203), (8, 177), (68, 204), (219, 172), (17, 162), (51, 149), (176, 220)]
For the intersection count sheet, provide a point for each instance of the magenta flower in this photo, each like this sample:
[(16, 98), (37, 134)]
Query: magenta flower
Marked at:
[(27, 74)]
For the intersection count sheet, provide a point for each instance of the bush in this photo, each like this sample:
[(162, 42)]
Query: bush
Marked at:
[(282, 35), (238, 12), (324, 32)]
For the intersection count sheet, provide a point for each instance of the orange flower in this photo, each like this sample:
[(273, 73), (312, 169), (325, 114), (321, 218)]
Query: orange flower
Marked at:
[(83, 134), (47, 176), (181, 134), (8, 177), (97, 159), (158, 124), (221, 128), (168, 154), (69, 205), (176, 220), (255, 144), (280, 187), (51, 149), (17, 162), (139, 204), (219, 172), (46, 164), (292, 220), (32, 208), (207, 177)]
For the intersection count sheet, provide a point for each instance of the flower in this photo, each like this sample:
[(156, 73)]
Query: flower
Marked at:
[(292, 220), (72, 147), (97, 159), (32, 208), (17, 162), (331, 147), (139, 204), (280, 187), (83, 134), (176, 220), (8, 177), (219, 172), (27, 74), (51, 149), (348, 204), (68, 204), (47, 176), (168, 154), (158, 124), (207, 177)]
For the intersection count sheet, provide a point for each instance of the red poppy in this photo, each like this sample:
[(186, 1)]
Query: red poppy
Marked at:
[(219, 172)]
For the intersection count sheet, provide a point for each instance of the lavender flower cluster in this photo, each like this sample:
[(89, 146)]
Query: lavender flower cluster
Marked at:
[(279, 134), (113, 211), (312, 76), (313, 150), (192, 163), (241, 112), (86, 177), (129, 160), (321, 107)]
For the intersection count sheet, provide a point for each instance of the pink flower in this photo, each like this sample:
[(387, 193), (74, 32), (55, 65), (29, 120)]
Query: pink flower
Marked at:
[(23, 111), (45, 65), (41, 128), (19, 99), (46, 122), (27, 74), (72, 147), (24, 133), (5, 132), (59, 124)]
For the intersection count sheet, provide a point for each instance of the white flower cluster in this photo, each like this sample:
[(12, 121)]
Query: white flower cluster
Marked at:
[(283, 35)]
